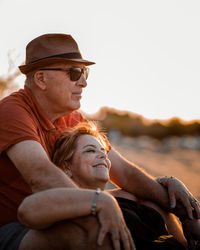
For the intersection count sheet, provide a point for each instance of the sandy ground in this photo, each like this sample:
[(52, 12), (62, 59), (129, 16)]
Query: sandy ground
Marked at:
[(181, 163)]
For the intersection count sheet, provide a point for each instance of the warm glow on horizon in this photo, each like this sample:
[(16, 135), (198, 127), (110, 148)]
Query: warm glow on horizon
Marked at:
[(102, 112), (146, 52)]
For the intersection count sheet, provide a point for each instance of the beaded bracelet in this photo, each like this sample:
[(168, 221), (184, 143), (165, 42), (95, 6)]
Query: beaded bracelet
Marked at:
[(94, 204)]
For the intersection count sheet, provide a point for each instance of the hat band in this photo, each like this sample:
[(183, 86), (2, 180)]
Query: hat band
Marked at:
[(74, 55)]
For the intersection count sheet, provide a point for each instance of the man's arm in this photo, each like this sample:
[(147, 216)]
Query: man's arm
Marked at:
[(38, 171), (130, 177), (133, 179), (41, 174)]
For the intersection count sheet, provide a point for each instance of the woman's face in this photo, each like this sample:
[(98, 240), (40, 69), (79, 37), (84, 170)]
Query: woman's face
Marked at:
[(90, 165)]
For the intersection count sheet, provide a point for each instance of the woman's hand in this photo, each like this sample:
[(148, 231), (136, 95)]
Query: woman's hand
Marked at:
[(112, 221), (178, 191)]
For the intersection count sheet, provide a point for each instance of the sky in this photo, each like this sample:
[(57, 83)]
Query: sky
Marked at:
[(147, 52)]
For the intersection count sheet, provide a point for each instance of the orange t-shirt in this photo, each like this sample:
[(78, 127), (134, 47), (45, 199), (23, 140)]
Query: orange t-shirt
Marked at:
[(22, 119)]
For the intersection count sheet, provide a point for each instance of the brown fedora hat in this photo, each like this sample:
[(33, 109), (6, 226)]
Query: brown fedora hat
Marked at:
[(49, 49)]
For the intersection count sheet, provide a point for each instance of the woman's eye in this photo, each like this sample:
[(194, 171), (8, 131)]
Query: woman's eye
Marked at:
[(90, 150)]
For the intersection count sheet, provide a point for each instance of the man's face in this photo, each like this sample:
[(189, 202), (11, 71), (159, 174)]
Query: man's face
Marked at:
[(62, 93)]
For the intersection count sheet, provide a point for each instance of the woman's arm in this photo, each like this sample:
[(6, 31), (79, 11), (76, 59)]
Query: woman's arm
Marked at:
[(42, 209), (47, 207)]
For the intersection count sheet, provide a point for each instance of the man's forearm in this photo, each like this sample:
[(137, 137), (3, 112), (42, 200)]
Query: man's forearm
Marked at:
[(51, 177), (31, 160), (135, 180)]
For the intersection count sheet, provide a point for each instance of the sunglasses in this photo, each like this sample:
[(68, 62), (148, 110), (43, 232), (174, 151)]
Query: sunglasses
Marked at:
[(74, 72)]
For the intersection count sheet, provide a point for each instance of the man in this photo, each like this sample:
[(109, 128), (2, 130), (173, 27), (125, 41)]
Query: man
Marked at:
[(30, 122)]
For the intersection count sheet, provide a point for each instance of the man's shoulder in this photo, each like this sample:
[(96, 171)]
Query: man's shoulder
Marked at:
[(15, 107), (13, 99)]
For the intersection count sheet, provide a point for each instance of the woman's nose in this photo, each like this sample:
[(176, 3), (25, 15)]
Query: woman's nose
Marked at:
[(102, 154)]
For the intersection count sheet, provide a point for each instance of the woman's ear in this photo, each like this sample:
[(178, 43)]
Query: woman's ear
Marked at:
[(67, 169), (40, 79)]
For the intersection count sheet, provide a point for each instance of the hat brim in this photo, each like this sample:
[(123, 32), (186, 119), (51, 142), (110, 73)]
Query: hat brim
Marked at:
[(48, 61)]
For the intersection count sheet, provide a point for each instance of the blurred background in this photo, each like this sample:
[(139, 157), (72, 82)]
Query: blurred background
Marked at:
[(144, 88)]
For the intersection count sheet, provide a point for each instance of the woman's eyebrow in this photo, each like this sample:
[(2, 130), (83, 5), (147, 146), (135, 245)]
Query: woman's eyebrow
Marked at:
[(89, 145), (94, 146)]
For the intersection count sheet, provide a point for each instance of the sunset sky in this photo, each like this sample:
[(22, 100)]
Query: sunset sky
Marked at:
[(147, 52)]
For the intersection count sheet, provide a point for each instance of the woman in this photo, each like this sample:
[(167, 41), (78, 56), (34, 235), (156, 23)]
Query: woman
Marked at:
[(82, 154)]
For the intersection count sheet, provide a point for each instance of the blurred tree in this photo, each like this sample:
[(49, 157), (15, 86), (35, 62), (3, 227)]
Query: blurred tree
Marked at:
[(7, 84), (131, 124)]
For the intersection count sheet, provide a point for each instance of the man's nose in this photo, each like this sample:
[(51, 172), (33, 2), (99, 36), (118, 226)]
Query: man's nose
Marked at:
[(82, 81)]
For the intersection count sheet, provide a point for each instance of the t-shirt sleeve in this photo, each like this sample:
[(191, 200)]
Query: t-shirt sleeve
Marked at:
[(16, 124)]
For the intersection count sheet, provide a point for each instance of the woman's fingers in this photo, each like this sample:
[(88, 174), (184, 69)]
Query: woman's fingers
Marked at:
[(172, 198), (101, 236), (196, 206), (178, 191), (127, 240), (123, 236), (116, 240), (187, 205), (190, 203), (112, 222)]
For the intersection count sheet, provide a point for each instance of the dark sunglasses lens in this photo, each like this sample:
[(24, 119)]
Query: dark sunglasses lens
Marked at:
[(75, 73)]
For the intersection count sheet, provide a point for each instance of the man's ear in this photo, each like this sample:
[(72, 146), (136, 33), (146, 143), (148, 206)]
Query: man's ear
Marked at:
[(40, 79)]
